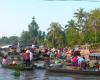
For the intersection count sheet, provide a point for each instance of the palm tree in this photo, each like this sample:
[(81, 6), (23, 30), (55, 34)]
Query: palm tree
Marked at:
[(71, 24), (80, 15), (71, 32), (55, 33)]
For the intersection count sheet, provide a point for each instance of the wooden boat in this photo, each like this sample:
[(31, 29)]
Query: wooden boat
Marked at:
[(18, 67), (60, 70)]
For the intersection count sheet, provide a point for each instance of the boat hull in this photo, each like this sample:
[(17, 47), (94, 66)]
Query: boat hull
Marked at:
[(17, 67), (73, 71)]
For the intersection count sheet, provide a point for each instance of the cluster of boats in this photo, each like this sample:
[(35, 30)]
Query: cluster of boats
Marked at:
[(68, 69), (60, 68), (54, 69)]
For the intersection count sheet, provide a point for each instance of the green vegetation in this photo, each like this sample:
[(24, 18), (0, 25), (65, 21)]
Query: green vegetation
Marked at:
[(16, 73), (83, 28)]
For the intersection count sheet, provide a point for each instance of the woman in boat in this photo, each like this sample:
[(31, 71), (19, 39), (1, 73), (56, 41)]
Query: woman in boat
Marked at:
[(26, 57), (58, 54), (30, 55), (4, 60), (68, 53), (81, 60), (74, 60)]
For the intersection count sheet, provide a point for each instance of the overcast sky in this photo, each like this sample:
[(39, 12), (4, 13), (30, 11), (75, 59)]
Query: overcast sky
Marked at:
[(16, 15)]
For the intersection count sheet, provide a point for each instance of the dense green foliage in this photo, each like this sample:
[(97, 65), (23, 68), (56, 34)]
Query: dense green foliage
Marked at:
[(9, 40), (83, 28)]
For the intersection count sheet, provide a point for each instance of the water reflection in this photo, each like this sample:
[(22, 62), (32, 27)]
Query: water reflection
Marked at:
[(38, 74), (33, 75)]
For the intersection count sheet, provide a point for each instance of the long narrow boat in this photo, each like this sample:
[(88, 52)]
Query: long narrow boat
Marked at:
[(18, 67), (59, 70)]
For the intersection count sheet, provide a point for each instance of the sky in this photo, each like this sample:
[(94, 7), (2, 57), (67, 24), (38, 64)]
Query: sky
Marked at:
[(16, 15)]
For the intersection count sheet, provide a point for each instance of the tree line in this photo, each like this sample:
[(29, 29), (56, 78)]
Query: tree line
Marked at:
[(83, 28)]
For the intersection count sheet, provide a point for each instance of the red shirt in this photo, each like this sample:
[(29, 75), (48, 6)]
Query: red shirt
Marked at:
[(26, 56)]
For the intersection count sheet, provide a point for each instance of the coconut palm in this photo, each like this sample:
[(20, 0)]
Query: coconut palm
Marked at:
[(71, 32), (55, 34), (80, 16)]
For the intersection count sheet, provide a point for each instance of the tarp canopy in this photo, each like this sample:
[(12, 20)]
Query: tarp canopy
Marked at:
[(95, 54), (6, 46)]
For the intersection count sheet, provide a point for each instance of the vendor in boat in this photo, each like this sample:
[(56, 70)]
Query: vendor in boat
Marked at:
[(68, 53), (85, 52), (4, 60), (27, 57), (74, 60), (14, 62), (81, 61), (78, 61), (95, 61)]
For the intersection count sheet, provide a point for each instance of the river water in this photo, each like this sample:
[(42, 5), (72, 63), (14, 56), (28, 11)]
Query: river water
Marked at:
[(41, 74)]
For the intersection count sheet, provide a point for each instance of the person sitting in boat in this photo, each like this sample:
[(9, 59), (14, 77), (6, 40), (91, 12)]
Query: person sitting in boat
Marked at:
[(68, 53), (4, 60), (52, 57), (96, 65), (14, 62), (81, 60), (74, 60), (91, 64), (84, 65), (58, 54)]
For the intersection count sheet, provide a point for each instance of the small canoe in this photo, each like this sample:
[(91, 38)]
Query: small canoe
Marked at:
[(17, 67), (60, 70)]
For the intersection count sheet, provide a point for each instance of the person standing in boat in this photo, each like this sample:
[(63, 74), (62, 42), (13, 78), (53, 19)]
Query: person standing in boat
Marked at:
[(26, 57), (31, 56)]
